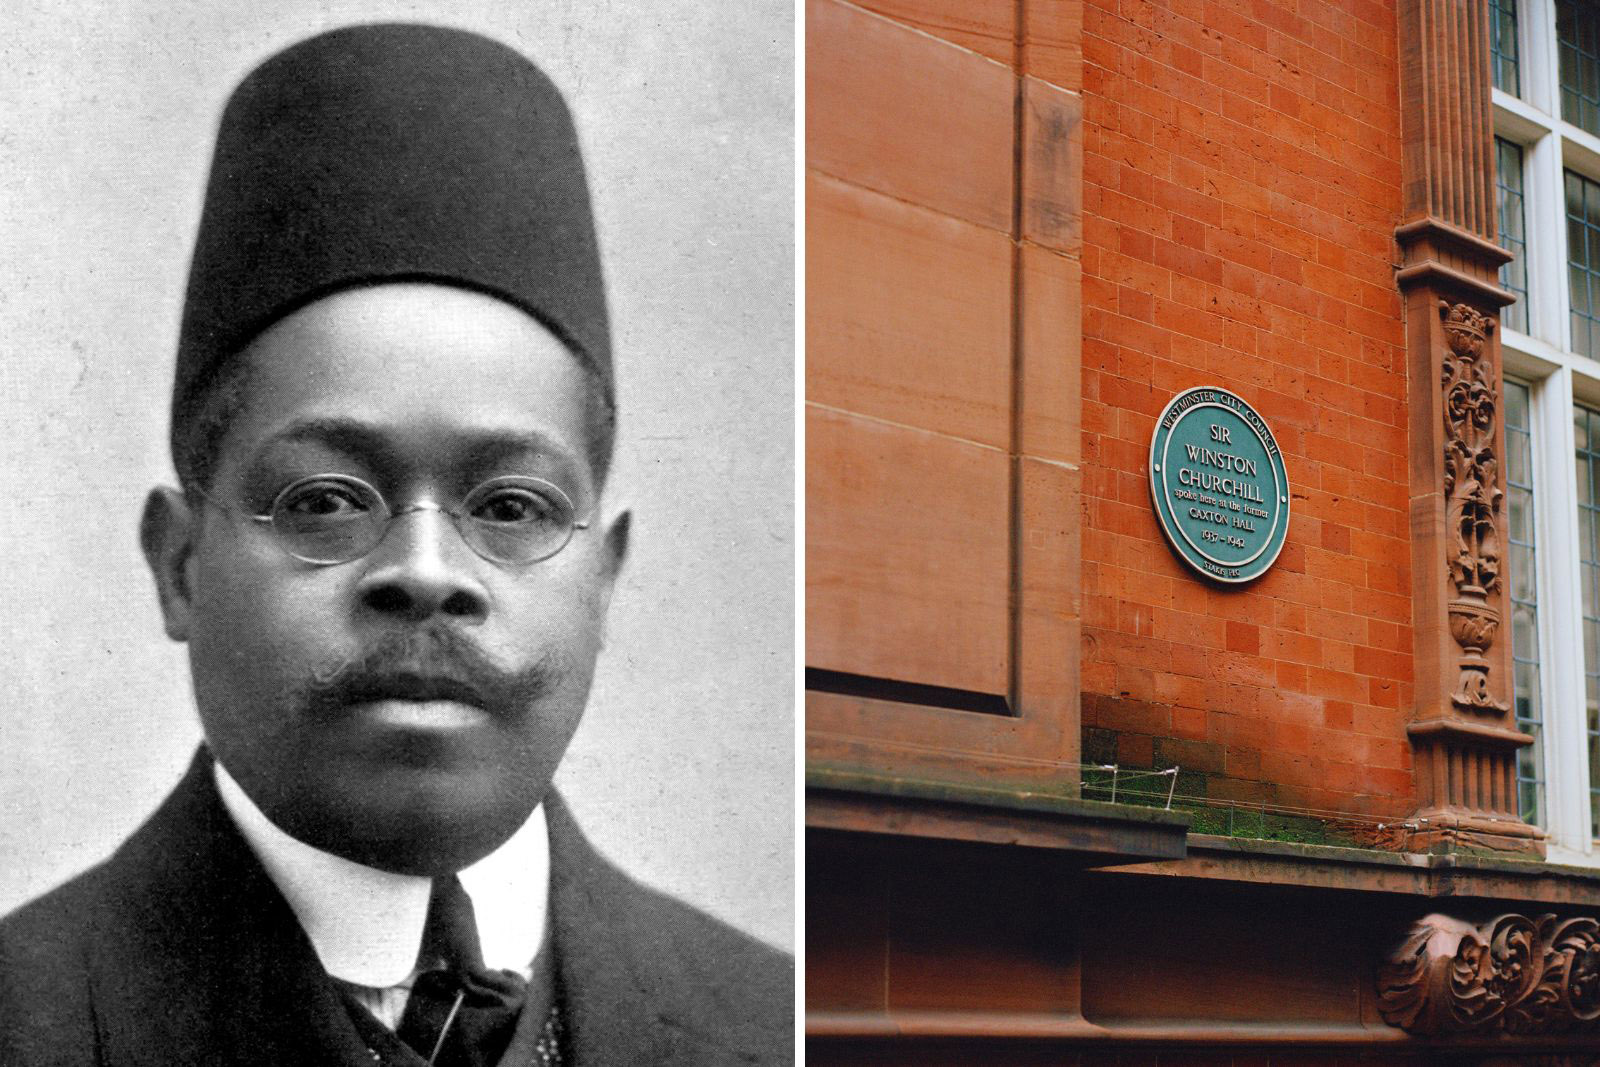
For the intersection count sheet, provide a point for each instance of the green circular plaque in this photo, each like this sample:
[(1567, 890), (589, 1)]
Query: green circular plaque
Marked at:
[(1219, 485)]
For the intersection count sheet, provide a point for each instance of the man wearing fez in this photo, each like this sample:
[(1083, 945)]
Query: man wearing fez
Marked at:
[(390, 560)]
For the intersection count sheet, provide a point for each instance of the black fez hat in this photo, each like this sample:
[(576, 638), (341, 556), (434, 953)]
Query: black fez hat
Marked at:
[(391, 153)]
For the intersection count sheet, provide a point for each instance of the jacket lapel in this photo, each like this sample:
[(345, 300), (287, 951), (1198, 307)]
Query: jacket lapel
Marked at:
[(199, 960), (620, 1004)]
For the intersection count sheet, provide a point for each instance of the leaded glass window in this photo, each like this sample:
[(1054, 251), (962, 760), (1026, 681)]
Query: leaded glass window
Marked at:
[(1503, 45), (1578, 39), (1586, 430), (1508, 195), (1583, 262), (1524, 602)]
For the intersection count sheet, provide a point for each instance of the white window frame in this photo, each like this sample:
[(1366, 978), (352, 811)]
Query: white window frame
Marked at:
[(1557, 379)]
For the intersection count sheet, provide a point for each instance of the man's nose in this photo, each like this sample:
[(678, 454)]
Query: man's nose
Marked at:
[(422, 568)]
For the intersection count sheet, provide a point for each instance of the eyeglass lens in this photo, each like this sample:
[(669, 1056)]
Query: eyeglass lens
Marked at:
[(335, 519)]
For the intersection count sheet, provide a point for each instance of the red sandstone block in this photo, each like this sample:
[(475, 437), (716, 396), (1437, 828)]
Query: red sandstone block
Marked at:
[(870, 575), (1119, 392), (1292, 561), (1339, 626), (1167, 687), (1099, 611), (1293, 646), (1197, 293), (1328, 566), (1385, 752), (1384, 381), (1336, 538), (1053, 38), (1377, 721), (1388, 577), (1190, 93), (1052, 165), (1241, 763), (1335, 597), (1133, 489), (1291, 737), (1249, 671), (1381, 663), (1290, 771), (1135, 750), (1138, 245), (1388, 636), (1242, 637), (1336, 685), (1136, 619), (1387, 783), (1344, 776), (1193, 628), (1331, 365), (1337, 714), (1097, 419), (909, 313), (1135, 271), (1291, 676), (1151, 218), (1194, 663), (1190, 322), (1292, 707), (1346, 747), (1137, 714), (1390, 606), (1189, 723), (985, 26), (1097, 229), (1339, 656), (870, 119), (1099, 292), (1135, 182), (1135, 304), (1382, 465)]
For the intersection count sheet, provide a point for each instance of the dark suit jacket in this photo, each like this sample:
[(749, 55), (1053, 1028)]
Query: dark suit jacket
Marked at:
[(179, 950)]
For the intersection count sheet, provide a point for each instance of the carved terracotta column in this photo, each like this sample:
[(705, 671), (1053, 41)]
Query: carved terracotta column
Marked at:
[(1463, 731)]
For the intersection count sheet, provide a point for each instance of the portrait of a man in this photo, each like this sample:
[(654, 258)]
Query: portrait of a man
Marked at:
[(391, 554)]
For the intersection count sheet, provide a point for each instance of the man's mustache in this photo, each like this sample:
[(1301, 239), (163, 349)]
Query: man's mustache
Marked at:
[(433, 663)]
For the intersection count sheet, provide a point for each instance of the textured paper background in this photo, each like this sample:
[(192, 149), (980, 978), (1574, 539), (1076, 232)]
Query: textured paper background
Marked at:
[(683, 769)]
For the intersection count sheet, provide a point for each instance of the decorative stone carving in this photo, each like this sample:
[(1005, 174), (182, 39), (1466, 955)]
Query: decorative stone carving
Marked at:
[(1473, 497), (1513, 975)]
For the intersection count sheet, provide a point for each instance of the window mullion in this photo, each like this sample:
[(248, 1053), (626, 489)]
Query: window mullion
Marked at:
[(1545, 226), (1536, 32), (1561, 625)]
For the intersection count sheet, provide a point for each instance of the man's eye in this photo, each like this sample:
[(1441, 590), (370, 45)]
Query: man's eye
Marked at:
[(515, 506), (324, 500)]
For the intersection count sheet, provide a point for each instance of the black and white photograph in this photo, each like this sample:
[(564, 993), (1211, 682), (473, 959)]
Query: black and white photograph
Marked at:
[(397, 434)]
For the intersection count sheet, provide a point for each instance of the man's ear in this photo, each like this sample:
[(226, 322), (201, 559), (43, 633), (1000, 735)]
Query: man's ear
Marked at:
[(167, 534), (616, 552)]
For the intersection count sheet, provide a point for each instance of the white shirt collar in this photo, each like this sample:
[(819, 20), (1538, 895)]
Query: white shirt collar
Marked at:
[(366, 924)]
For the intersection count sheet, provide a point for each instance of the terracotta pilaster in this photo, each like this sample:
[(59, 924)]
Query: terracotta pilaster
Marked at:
[(1463, 731)]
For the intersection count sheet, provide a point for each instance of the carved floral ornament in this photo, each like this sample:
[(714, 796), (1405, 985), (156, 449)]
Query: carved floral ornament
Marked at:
[(1472, 498), (1510, 976)]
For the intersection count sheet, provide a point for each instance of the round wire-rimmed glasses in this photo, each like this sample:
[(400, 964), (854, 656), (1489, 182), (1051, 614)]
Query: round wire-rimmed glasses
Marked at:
[(336, 518)]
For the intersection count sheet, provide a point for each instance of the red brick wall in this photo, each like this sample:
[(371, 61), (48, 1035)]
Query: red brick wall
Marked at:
[(1241, 190)]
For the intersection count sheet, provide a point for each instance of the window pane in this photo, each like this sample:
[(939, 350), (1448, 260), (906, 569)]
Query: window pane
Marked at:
[(1583, 260), (1503, 45), (1588, 457), (1524, 604), (1508, 196), (1576, 25)]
